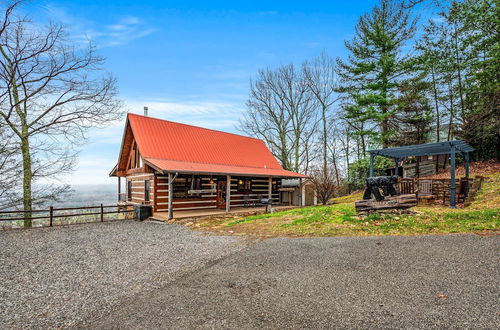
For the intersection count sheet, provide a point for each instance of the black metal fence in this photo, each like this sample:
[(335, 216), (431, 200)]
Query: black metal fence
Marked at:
[(59, 216)]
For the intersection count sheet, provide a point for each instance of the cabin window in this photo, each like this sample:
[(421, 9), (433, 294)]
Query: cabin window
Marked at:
[(182, 186), (135, 157), (244, 185), (146, 190), (129, 190), (275, 185)]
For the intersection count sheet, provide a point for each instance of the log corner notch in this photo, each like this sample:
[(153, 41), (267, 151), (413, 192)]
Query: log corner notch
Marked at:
[(389, 204)]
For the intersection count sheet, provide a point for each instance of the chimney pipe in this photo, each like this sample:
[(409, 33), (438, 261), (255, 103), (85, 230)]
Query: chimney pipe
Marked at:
[(146, 111)]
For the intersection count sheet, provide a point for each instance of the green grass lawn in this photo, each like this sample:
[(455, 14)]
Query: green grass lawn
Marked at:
[(340, 219)]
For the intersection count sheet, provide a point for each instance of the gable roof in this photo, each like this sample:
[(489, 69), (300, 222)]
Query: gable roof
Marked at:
[(174, 147)]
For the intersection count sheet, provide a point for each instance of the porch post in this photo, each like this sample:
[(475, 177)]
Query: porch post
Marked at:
[(300, 192), (228, 194), (119, 188), (270, 188), (170, 196), (303, 194), (119, 193), (453, 187), (372, 156), (396, 167)]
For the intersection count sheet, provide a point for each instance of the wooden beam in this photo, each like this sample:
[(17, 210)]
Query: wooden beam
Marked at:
[(228, 194), (453, 187), (270, 188), (170, 196), (119, 188), (301, 193), (467, 173)]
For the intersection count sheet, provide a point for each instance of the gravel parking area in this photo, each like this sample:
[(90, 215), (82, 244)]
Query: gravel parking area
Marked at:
[(420, 282), (57, 277)]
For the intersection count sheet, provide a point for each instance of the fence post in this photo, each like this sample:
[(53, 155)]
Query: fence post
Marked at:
[(51, 215), (102, 213)]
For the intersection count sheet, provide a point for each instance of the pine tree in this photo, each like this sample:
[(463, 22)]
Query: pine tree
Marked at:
[(413, 117), (376, 66), (461, 53)]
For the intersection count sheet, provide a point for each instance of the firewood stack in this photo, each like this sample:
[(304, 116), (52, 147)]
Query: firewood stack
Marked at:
[(402, 202)]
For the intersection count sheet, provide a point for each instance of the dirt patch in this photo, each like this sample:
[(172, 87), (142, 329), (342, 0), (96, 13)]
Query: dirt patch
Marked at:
[(480, 168)]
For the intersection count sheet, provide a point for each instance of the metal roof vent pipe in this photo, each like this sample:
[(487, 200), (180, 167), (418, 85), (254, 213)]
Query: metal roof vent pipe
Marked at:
[(145, 111)]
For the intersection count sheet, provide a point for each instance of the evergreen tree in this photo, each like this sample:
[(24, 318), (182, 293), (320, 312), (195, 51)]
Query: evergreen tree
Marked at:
[(413, 117), (479, 22), (461, 56), (376, 67)]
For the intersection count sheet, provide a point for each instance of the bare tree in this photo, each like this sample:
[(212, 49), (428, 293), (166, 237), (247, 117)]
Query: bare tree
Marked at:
[(324, 183), (282, 112), (10, 171), (321, 80), (52, 91)]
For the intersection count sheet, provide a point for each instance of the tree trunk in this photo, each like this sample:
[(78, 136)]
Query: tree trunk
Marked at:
[(325, 144), (450, 127), (436, 104), (27, 178)]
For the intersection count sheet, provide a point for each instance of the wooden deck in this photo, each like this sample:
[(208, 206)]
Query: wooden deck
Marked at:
[(218, 212)]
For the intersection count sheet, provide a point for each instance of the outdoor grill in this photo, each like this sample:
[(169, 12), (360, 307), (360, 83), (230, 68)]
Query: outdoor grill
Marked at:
[(266, 201)]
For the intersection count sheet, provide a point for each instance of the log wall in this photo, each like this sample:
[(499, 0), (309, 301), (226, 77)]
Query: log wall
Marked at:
[(209, 200), (138, 185)]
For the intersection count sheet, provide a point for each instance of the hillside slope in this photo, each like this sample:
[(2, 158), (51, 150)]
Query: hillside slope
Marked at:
[(340, 219)]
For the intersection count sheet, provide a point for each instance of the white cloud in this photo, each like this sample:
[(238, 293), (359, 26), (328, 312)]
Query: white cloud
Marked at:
[(210, 114), (100, 155), (120, 32)]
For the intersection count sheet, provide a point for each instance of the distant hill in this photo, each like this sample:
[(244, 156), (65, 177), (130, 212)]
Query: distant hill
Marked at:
[(91, 194)]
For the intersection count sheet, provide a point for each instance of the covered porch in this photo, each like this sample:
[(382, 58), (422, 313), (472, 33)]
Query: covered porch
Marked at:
[(187, 214), (182, 195)]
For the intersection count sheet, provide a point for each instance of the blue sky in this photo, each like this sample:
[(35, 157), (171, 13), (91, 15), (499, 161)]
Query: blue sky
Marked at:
[(191, 61)]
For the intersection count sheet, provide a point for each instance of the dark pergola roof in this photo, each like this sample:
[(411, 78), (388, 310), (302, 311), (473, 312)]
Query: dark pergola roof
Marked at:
[(428, 149)]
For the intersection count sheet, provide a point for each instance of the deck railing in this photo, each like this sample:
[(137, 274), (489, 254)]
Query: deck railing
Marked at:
[(59, 216)]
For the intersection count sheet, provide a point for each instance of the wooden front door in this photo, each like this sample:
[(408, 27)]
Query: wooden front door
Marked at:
[(221, 194)]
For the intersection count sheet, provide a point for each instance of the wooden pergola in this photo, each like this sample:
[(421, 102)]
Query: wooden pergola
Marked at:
[(429, 149)]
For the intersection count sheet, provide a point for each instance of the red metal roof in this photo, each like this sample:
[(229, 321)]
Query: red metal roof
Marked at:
[(175, 147)]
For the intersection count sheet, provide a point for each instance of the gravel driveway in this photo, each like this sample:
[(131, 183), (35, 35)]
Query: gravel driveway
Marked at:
[(57, 277), (420, 282), (132, 275)]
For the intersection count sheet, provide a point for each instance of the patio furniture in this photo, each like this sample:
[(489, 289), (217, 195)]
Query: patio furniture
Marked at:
[(246, 201), (424, 192), (428, 149)]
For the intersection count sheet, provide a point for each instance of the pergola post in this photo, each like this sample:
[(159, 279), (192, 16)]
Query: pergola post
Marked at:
[(170, 197), (372, 156), (228, 194), (467, 173), (453, 187)]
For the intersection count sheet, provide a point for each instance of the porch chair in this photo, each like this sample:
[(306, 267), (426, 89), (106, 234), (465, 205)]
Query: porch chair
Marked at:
[(246, 201), (424, 192)]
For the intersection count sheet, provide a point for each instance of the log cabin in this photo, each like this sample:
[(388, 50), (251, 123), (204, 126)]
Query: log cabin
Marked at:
[(177, 167)]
